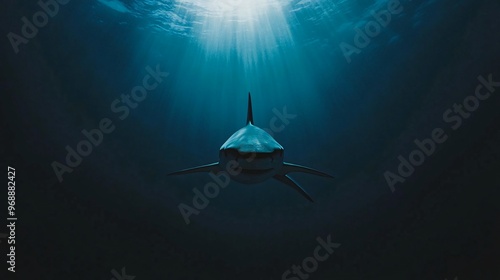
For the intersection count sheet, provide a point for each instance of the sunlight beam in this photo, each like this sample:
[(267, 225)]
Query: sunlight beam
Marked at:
[(252, 30)]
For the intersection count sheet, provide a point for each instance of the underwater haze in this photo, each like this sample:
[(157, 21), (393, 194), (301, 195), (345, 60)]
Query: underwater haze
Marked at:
[(398, 100)]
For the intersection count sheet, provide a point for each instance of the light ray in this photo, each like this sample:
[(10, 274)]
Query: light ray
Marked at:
[(250, 29)]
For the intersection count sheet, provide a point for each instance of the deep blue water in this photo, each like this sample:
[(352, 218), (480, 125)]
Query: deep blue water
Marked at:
[(353, 115)]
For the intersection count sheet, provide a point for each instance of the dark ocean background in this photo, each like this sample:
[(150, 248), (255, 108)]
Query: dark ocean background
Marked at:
[(119, 209)]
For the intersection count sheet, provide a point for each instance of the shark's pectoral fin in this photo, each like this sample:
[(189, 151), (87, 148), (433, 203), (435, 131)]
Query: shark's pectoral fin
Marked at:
[(212, 167), (290, 182), (290, 167)]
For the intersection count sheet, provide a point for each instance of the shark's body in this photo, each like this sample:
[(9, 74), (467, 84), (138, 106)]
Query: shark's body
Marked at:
[(251, 155)]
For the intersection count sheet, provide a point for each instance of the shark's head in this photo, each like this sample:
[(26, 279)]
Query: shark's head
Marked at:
[(253, 154)]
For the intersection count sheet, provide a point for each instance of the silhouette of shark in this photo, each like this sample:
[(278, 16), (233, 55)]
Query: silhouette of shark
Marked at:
[(251, 155)]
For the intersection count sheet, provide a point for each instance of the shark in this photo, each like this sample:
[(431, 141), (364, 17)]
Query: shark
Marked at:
[(251, 155)]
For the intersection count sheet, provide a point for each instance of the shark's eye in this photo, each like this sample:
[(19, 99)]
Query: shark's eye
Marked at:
[(278, 153)]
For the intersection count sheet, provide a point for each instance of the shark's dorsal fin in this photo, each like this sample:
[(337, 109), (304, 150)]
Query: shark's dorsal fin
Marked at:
[(249, 112)]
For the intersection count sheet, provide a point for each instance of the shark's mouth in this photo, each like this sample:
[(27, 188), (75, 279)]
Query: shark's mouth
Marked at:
[(256, 171)]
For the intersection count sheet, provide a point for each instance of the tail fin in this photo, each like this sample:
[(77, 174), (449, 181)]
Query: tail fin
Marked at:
[(249, 112), (291, 183)]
